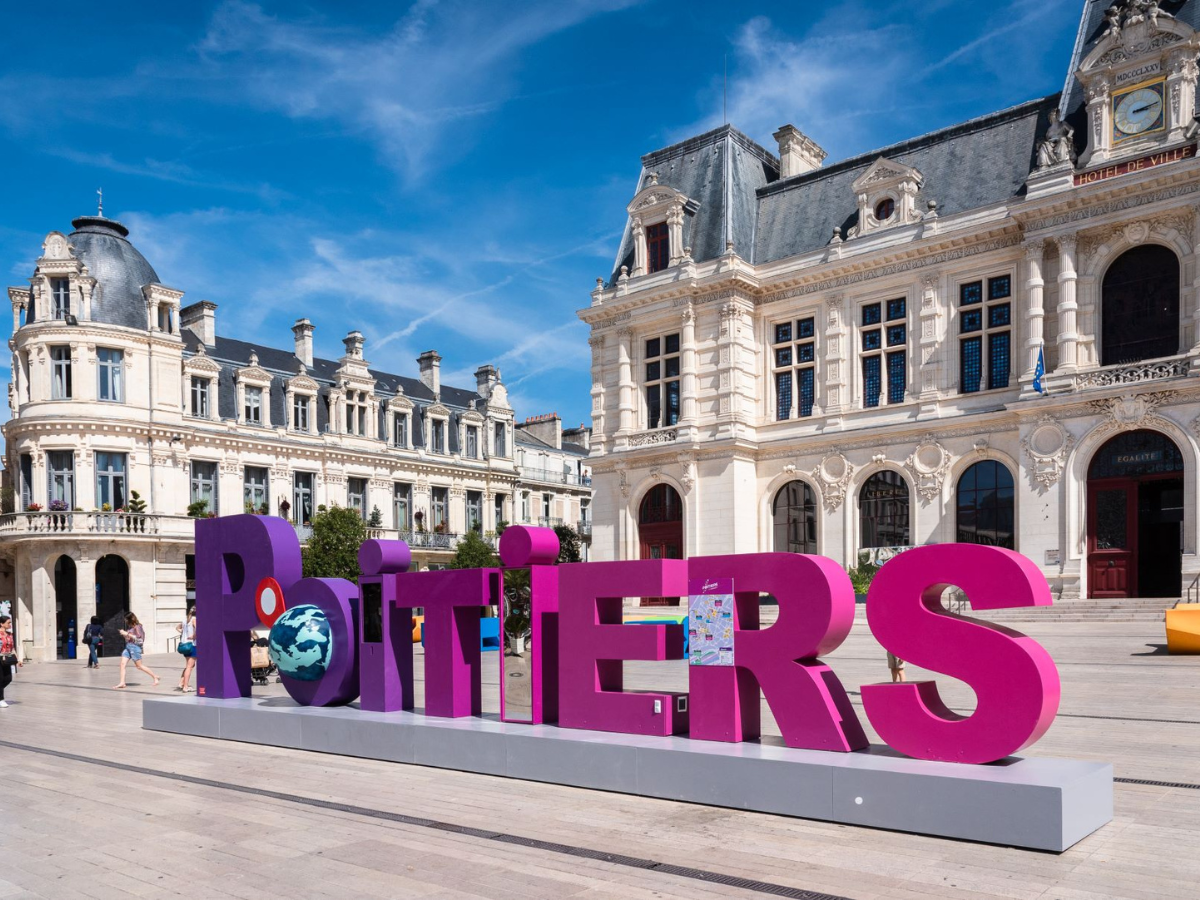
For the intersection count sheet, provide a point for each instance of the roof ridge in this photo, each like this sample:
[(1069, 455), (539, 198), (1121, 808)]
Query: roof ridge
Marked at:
[(712, 137)]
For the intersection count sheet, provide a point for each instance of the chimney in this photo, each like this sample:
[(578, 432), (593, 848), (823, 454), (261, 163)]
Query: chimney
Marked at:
[(581, 436), (546, 428), (354, 344), (798, 153), (303, 330), (201, 318), (431, 368), (486, 377)]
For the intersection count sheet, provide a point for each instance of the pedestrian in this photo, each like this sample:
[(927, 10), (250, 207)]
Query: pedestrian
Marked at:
[(8, 657), (187, 647), (93, 636), (896, 664), (135, 640)]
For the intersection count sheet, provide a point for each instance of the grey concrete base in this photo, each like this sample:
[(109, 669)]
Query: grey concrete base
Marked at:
[(1043, 804)]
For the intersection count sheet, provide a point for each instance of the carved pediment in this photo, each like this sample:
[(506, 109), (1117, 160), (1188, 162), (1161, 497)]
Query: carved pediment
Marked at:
[(302, 383), (883, 173), (201, 364), (437, 411), (253, 373), (656, 197), (400, 403), (55, 247)]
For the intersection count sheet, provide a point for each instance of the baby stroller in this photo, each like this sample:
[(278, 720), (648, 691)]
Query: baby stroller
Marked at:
[(261, 666)]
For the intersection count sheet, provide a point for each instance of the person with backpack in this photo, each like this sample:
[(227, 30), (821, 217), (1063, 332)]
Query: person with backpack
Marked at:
[(8, 657), (187, 649), (93, 636)]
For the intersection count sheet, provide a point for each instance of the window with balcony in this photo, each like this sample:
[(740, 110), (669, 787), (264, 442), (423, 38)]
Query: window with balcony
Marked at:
[(252, 406), (60, 298), (547, 499), (110, 481), (474, 511), (794, 357), (356, 495), (303, 495), (658, 247), (61, 467), (472, 442), (400, 430), (111, 366), (440, 502), (204, 484), (255, 491), (302, 413), (662, 381), (985, 334), (26, 481), (402, 505), (201, 397), (61, 387), (884, 352)]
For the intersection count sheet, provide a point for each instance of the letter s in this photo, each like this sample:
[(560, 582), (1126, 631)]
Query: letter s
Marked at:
[(1014, 679)]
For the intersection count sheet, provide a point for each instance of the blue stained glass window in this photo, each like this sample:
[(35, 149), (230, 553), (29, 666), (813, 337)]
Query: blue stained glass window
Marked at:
[(1000, 288), (872, 340), (805, 328), (897, 377), (872, 381), (807, 391), (999, 316), (871, 314), (672, 417), (783, 356), (972, 320), (896, 309), (970, 293), (897, 335), (806, 353), (783, 396), (971, 358), (783, 333), (998, 360)]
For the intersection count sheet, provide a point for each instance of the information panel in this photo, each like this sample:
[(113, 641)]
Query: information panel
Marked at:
[(710, 622)]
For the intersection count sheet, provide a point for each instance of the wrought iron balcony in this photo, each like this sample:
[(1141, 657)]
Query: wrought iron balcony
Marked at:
[(552, 476)]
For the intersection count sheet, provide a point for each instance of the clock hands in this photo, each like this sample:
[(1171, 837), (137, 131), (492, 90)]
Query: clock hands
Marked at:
[(1142, 109)]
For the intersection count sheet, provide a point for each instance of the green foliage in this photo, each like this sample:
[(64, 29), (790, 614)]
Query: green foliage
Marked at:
[(500, 526), (136, 504), (8, 499), (863, 574), (517, 602), (473, 552), (197, 510), (569, 550), (376, 519), (332, 551)]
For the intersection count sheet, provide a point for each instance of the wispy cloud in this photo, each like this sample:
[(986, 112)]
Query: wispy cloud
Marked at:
[(1036, 10), (160, 170)]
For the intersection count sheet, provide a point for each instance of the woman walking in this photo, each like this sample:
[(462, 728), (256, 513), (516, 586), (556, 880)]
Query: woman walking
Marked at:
[(187, 647), (8, 657), (135, 639), (93, 636)]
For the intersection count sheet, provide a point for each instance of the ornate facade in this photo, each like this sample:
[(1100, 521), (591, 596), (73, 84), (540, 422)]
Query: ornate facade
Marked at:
[(989, 333)]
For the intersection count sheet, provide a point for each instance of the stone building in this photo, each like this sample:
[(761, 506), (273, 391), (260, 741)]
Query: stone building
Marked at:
[(848, 358), (555, 485), (118, 388)]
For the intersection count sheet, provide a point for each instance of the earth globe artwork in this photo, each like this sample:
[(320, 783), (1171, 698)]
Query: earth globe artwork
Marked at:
[(301, 643)]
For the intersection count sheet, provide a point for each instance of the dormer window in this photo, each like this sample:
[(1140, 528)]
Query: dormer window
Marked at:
[(656, 218), (252, 409), (439, 436), (887, 196), (60, 298), (658, 247), (356, 413), (301, 405), (885, 209), (400, 430), (201, 406)]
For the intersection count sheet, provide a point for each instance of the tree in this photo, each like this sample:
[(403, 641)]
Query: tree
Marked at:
[(376, 519), (136, 504), (332, 551), (473, 552), (569, 549)]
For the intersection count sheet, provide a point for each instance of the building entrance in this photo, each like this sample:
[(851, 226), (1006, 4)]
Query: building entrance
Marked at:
[(112, 600), (660, 531), (66, 619), (1135, 518)]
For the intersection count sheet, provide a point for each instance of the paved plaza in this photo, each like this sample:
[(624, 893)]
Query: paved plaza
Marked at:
[(93, 806)]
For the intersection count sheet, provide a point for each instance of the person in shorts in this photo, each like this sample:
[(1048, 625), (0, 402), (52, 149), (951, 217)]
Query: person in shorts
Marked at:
[(187, 649), (896, 664), (8, 657), (135, 639)]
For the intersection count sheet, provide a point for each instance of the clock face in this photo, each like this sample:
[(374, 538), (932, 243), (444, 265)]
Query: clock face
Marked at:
[(1139, 111)]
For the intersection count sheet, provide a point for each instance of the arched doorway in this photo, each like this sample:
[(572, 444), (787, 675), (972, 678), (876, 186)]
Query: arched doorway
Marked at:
[(112, 600), (883, 511), (1141, 306), (984, 506), (794, 512), (660, 530), (1135, 517), (65, 605)]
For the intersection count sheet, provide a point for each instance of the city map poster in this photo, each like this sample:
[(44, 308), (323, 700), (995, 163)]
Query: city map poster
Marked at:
[(710, 621)]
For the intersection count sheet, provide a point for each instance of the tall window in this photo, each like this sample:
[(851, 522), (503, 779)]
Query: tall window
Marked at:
[(499, 444), (883, 507), (884, 342), (301, 407), (472, 442), (985, 344), (164, 318), (794, 352), (662, 381), (356, 495), (302, 496), (112, 379), (500, 498), (474, 511), (438, 435), (985, 505), (204, 484), (356, 412), (60, 298), (525, 509), (400, 430), (254, 490), (795, 519), (402, 505), (200, 397), (440, 501), (1140, 312), (546, 500), (110, 480), (61, 466), (60, 373), (252, 410), (658, 247)]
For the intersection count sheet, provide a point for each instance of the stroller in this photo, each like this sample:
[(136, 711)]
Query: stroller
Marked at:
[(261, 666)]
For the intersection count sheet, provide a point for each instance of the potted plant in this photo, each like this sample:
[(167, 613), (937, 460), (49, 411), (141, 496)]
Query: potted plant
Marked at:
[(861, 577), (376, 519), (198, 510), (105, 507), (419, 518), (33, 507), (58, 506), (135, 505)]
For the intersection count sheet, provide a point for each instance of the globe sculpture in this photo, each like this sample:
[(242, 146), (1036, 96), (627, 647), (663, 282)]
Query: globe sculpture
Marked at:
[(301, 643)]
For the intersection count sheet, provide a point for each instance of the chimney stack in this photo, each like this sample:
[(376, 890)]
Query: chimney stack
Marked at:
[(798, 153), (486, 377), (303, 330), (201, 318), (431, 370), (547, 428), (354, 344)]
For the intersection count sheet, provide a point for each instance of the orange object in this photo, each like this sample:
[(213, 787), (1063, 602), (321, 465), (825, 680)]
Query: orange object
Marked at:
[(418, 621), (1183, 628)]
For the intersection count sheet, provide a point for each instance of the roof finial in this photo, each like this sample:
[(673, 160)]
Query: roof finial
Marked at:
[(100, 202)]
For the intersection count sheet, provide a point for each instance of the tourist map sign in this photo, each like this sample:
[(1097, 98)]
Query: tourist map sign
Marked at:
[(710, 621)]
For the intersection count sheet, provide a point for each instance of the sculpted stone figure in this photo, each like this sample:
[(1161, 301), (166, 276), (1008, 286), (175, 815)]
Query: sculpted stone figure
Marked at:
[(1059, 145)]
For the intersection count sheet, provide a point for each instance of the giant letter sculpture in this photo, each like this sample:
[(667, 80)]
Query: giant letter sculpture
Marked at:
[(338, 600), (385, 654), (1014, 679), (536, 549)]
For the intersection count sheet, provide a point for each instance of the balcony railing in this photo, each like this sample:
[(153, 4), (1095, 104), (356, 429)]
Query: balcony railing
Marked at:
[(584, 528), (1134, 373), (551, 476), (88, 523), (549, 522), (429, 540)]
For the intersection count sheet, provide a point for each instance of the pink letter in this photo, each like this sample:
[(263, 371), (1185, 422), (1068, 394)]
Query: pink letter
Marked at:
[(1014, 678), (593, 643), (816, 611)]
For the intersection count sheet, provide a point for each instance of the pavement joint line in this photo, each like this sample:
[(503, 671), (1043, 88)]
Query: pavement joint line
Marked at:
[(735, 881)]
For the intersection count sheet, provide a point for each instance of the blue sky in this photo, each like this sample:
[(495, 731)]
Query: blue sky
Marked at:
[(448, 174)]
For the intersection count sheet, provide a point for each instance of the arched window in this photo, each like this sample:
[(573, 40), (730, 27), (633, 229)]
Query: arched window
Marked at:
[(795, 513), (1141, 306), (661, 504), (985, 505), (883, 507)]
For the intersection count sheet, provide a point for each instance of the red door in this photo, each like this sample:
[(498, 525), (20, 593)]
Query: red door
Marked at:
[(661, 541), (1112, 538)]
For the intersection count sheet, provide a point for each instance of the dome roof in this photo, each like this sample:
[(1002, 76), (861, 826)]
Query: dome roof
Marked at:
[(119, 269)]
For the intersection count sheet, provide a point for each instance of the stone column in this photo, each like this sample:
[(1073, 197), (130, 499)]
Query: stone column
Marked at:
[(687, 345), (625, 380), (1035, 311), (599, 420), (929, 362), (837, 390), (1068, 306), (638, 233)]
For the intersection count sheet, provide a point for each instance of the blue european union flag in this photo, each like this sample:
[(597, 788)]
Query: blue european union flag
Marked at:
[(1040, 372)]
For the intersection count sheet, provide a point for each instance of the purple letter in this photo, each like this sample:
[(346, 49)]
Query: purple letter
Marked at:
[(337, 598), (385, 654), (521, 547)]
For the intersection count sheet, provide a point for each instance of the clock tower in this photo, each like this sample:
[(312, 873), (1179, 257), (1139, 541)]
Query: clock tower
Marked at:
[(1140, 84)]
